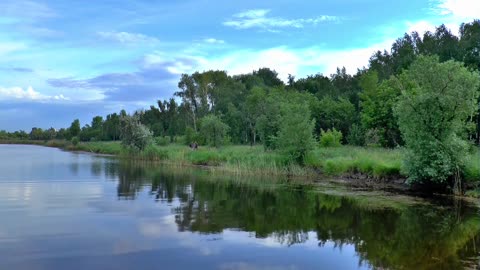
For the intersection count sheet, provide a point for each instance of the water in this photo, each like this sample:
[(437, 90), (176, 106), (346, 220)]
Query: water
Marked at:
[(62, 210)]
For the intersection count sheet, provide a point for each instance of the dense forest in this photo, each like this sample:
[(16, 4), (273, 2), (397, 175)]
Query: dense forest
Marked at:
[(422, 95)]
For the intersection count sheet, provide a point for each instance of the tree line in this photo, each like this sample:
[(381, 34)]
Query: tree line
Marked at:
[(422, 94)]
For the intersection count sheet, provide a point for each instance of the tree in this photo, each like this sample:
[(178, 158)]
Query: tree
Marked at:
[(213, 130), (331, 113), (75, 128), (377, 103), (135, 136), (436, 100), (295, 137)]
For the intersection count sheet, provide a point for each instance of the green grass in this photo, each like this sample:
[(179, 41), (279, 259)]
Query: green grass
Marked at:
[(341, 161), (372, 162), (109, 148)]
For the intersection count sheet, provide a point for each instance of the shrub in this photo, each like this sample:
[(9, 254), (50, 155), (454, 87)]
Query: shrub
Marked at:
[(372, 137), (162, 141), (213, 130), (331, 138), (75, 141), (135, 136), (191, 136), (356, 136), (295, 138)]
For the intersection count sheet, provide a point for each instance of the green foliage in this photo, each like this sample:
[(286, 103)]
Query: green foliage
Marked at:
[(295, 138), (162, 141), (436, 100), (371, 162), (75, 128), (377, 102), (472, 167), (75, 141), (135, 136), (331, 138), (191, 136), (372, 137), (205, 157), (213, 130), (334, 113), (356, 136)]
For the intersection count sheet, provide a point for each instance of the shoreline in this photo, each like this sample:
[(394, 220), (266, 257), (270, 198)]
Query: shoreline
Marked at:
[(392, 183)]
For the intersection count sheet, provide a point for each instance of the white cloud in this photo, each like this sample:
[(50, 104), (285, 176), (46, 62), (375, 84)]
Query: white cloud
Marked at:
[(128, 38), (464, 9), (7, 93), (257, 18), (421, 27), (298, 62), (9, 47), (213, 41)]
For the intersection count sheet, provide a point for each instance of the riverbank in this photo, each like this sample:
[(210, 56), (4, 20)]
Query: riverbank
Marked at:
[(359, 166)]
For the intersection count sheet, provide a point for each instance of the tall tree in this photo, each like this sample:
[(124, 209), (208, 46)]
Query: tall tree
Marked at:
[(75, 128), (436, 100)]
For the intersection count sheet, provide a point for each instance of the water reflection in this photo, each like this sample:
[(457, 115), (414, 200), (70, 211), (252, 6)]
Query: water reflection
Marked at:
[(423, 236), (64, 210)]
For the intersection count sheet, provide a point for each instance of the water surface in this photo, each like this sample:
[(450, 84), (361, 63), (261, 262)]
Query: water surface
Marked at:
[(63, 210)]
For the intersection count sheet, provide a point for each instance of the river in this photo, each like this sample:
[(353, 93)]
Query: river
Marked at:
[(64, 210)]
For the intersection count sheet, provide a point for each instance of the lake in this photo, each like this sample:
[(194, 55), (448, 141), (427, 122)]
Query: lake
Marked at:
[(63, 210)]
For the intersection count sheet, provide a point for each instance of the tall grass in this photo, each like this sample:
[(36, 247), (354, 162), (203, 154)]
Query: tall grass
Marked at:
[(373, 162), (369, 162)]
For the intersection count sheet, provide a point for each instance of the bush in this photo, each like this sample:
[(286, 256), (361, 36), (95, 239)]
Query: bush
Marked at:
[(356, 136), (213, 130), (331, 138), (295, 138), (372, 137), (191, 136), (135, 136), (162, 141), (75, 141)]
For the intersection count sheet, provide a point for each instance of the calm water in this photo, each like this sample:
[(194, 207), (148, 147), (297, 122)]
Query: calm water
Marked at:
[(62, 210)]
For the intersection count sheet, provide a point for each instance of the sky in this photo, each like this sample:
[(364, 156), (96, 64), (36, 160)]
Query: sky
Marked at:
[(62, 60)]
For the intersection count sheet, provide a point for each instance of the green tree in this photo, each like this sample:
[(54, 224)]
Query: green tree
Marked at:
[(377, 103), (213, 130), (135, 136), (75, 128), (334, 113), (295, 137), (436, 100)]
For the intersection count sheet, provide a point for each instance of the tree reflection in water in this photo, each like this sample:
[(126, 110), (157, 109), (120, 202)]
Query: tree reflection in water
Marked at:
[(403, 236)]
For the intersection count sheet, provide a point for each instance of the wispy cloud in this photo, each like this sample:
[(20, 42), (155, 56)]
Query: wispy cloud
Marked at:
[(26, 10), (17, 69), (9, 47), (128, 38), (258, 18), (214, 41), (29, 94), (462, 9), (151, 81)]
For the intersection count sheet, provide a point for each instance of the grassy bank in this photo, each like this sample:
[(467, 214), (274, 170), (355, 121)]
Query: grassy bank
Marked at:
[(345, 161)]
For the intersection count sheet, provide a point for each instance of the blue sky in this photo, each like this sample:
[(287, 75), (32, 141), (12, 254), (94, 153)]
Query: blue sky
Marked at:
[(61, 60)]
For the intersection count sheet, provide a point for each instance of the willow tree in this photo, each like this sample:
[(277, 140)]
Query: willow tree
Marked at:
[(436, 100)]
